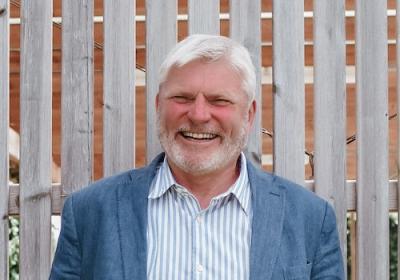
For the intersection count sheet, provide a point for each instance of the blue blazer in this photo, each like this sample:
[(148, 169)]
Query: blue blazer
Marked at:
[(103, 234)]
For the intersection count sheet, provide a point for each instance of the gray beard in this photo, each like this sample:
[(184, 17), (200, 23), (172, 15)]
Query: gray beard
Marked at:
[(202, 164)]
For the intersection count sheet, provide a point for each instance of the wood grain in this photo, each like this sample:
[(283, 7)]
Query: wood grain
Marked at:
[(35, 161), (330, 109), (77, 95), (161, 30), (245, 28), (372, 135), (119, 86), (288, 79), (203, 17)]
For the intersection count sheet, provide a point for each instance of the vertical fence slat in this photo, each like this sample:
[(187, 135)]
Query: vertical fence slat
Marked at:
[(245, 28), (35, 161), (203, 16), (288, 87), (77, 94), (119, 86), (372, 137), (161, 33), (330, 108), (4, 123)]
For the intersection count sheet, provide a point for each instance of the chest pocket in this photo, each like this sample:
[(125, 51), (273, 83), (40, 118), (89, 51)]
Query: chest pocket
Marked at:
[(298, 272)]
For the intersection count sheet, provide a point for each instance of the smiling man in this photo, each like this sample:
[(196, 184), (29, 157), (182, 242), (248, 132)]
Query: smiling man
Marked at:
[(200, 210)]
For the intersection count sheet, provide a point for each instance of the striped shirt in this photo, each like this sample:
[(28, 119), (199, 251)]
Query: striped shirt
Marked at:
[(187, 242)]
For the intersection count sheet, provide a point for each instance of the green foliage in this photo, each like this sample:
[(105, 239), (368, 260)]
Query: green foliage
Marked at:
[(393, 224), (14, 248)]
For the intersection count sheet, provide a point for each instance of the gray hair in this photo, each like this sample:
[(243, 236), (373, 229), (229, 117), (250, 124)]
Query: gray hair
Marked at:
[(212, 48)]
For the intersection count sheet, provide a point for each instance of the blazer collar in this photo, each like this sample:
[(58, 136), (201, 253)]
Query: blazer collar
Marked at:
[(132, 220), (268, 200)]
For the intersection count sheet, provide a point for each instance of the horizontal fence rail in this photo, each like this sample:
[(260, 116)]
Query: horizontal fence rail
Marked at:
[(57, 197)]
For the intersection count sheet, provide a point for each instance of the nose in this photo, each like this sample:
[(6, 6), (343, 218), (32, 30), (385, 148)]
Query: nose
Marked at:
[(199, 110)]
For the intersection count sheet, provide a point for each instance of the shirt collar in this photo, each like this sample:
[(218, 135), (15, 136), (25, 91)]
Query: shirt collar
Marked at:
[(164, 180)]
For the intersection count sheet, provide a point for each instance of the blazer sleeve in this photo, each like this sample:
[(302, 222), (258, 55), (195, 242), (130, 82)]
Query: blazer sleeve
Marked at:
[(328, 262), (67, 258)]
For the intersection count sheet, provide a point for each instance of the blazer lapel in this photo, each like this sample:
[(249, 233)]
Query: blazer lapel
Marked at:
[(132, 221), (268, 201)]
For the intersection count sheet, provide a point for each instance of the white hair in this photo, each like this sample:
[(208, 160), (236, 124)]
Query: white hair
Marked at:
[(212, 48)]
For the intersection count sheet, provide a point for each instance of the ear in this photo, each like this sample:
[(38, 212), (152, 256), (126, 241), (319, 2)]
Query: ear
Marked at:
[(252, 113), (157, 101)]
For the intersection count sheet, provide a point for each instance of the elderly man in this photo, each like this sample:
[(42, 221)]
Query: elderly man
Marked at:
[(201, 210)]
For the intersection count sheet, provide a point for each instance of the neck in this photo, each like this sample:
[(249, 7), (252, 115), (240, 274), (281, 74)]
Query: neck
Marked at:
[(207, 186)]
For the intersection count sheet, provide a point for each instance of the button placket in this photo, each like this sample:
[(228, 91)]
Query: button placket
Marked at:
[(198, 225), (199, 268)]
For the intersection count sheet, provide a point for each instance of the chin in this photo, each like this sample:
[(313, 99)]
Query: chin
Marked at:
[(200, 164)]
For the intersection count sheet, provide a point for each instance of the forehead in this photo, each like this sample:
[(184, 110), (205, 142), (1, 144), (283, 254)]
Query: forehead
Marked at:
[(206, 77)]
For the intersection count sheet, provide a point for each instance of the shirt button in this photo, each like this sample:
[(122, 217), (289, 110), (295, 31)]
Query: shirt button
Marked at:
[(198, 219), (200, 268)]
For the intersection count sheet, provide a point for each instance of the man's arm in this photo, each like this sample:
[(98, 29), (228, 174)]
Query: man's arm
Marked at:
[(328, 262), (67, 259)]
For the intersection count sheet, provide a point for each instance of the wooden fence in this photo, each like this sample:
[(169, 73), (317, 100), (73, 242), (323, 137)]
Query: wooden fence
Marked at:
[(35, 199)]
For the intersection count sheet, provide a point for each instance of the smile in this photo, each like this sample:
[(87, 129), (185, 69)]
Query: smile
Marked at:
[(199, 136)]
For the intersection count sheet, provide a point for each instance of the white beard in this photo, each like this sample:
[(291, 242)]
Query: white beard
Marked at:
[(195, 162)]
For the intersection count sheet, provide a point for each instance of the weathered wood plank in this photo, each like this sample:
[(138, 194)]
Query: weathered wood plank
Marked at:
[(245, 28), (35, 124), (203, 17), (372, 137), (160, 15), (77, 94), (288, 79), (330, 109), (119, 86), (4, 123)]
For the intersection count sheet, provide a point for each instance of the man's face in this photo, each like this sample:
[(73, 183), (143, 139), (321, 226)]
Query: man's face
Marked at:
[(204, 117)]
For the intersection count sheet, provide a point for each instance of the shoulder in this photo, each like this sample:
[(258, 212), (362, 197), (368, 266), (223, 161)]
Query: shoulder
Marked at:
[(297, 198), (296, 193), (105, 190)]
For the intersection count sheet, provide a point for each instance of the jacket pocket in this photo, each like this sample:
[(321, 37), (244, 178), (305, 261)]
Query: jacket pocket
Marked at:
[(298, 272)]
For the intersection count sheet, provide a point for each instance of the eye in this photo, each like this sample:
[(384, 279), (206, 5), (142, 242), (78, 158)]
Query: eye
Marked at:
[(181, 99), (221, 102)]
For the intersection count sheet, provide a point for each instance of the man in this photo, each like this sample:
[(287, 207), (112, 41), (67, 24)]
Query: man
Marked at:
[(201, 210)]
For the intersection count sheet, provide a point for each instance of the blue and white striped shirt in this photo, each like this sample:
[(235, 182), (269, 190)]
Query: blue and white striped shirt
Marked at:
[(187, 242)]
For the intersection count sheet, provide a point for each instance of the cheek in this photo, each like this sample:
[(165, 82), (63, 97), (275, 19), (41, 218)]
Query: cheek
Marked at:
[(171, 113), (229, 119)]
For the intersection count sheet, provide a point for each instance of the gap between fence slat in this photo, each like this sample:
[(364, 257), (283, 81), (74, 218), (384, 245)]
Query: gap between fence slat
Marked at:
[(245, 28), (119, 86), (36, 142), (161, 30), (398, 123), (4, 124), (330, 109), (372, 137), (288, 89), (77, 95)]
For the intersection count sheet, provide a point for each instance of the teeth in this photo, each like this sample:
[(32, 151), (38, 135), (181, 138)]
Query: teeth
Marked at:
[(200, 136)]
